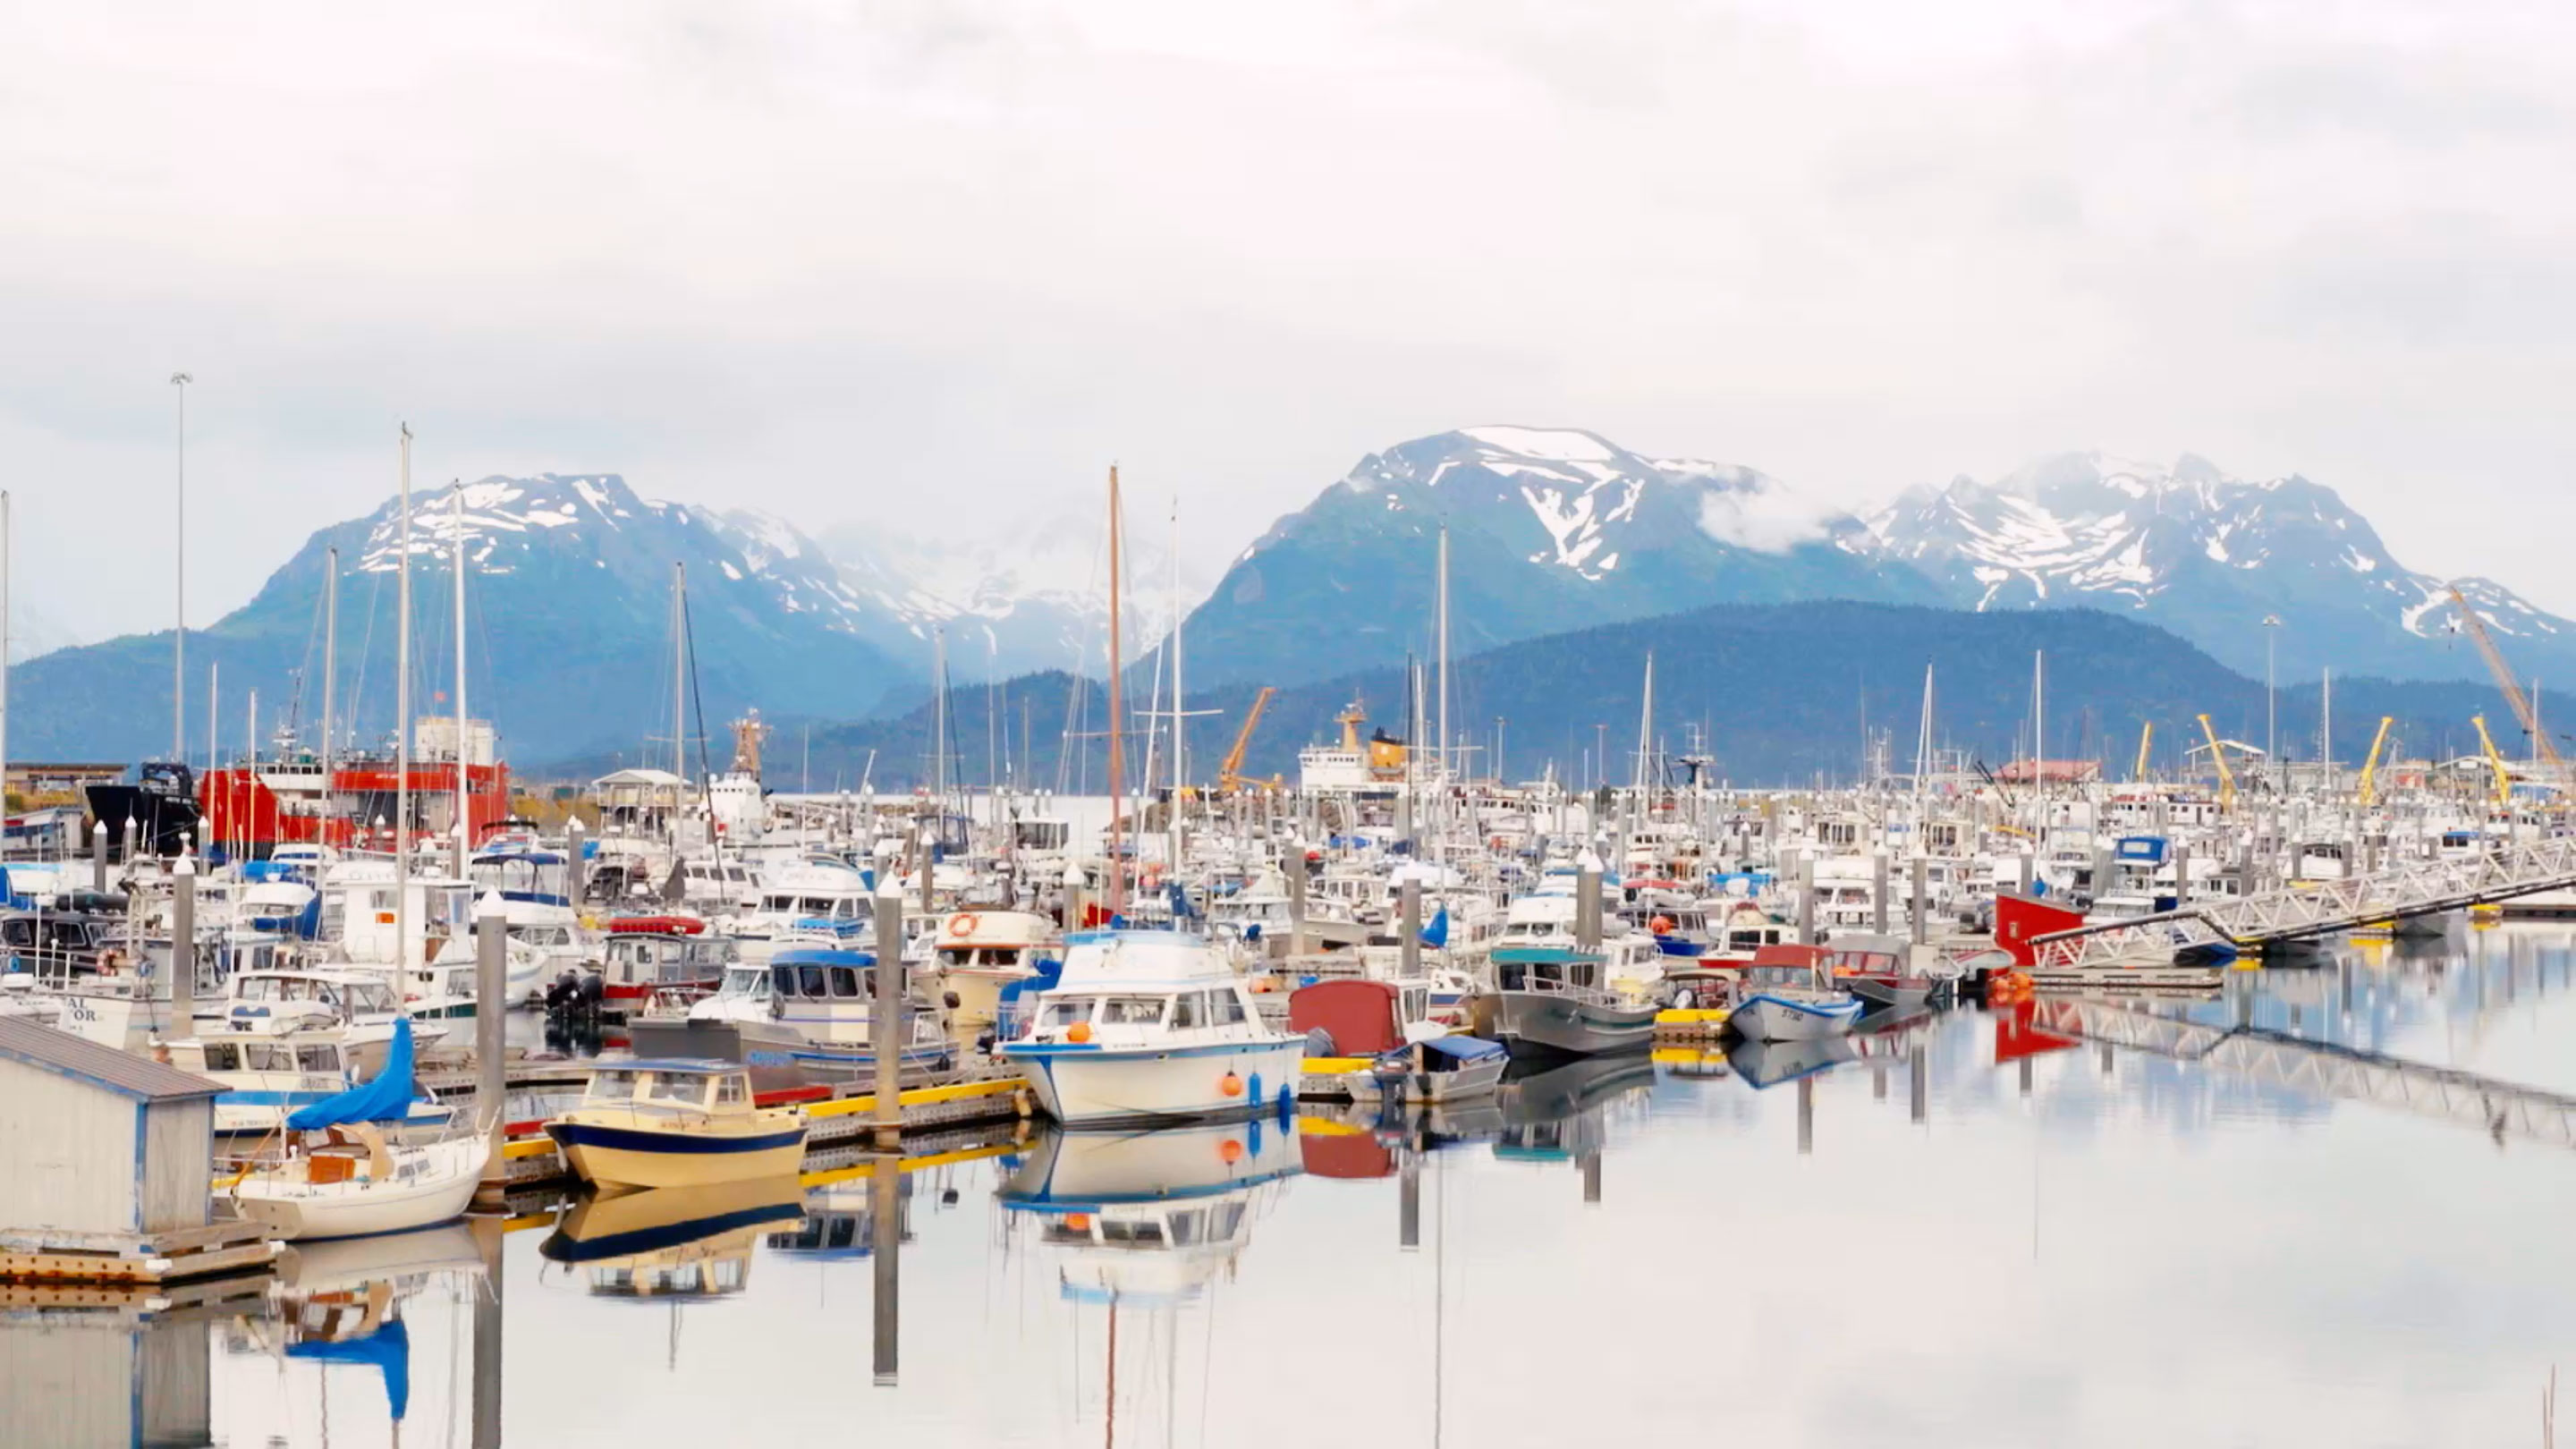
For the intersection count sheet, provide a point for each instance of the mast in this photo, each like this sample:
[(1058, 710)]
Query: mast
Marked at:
[(1645, 728), (402, 719), (179, 636), (330, 663), (938, 728), (464, 825), (1117, 894), (2039, 728), (4, 652), (1180, 746), (1444, 653), (679, 695)]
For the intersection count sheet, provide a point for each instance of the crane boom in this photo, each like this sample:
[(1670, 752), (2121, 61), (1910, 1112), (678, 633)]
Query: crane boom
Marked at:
[(2495, 761), (2523, 711), (1229, 775), (2369, 792), (2226, 776), (2146, 737)]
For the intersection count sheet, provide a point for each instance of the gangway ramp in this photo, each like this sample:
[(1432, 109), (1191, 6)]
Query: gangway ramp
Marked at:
[(2319, 908), (2498, 1108)]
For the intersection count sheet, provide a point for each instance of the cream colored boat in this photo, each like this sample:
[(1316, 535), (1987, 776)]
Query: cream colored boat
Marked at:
[(676, 1124)]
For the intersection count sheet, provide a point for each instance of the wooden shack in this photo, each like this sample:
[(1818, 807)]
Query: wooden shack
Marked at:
[(108, 1165)]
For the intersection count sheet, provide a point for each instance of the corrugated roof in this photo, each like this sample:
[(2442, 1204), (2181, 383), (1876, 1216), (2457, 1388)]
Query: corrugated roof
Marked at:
[(123, 1073)]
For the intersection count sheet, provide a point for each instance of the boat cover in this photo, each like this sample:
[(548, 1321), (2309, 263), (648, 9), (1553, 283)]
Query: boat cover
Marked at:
[(388, 1348), (386, 1099), (1464, 1048)]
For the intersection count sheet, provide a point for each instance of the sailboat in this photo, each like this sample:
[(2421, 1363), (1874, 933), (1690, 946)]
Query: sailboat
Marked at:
[(348, 1178)]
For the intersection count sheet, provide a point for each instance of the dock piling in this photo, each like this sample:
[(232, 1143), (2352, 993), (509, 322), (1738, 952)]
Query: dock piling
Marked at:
[(886, 1013), (885, 1231), (1412, 942), (1920, 895), (98, 858), (183, 949), (491, 1020)]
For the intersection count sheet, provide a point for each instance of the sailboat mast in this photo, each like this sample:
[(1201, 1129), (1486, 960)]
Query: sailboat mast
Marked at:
[(1117, 894), (679, 687), (1180, 747), (4, 649), (330, 672), (1444, 652), (1645, 728), (2039, 725), (179, 636), (464, 793), (402, 716)]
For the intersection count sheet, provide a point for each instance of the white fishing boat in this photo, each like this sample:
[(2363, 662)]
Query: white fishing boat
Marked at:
[(347, 1178), (1792, 1002), (1150, 1025)]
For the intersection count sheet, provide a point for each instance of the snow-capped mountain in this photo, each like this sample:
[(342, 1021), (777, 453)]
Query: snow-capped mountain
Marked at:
[(568, 637), (2209, 556), (1550, 529)]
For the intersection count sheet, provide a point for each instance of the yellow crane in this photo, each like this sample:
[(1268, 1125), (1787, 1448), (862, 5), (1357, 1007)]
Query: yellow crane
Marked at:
[(2495, 762), (2369, 793), (2523, 711), (1229, 775), (2218, 755), (2146, 737)]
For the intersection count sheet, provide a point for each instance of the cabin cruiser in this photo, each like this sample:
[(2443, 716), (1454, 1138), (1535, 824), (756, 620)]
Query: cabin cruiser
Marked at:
[(643, 955), (1145, 1026), (1555, 999), (819, 892), (977, 953), (816, 1023), (663, 1124)]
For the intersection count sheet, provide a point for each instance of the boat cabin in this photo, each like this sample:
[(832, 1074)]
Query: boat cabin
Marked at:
[(993, 940), (710, 1088), (647, 953)]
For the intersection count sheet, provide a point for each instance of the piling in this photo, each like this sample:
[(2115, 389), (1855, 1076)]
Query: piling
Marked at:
[(575, 868), (491, 1022), (929, 855), (1408, 1204), (487, 1232), (1412, 945), (1587, 903), (2182, 876), (1918, 1081), (1295, 863), (2026, 876), (1806, 1116), (183, 950), (885, 1212), (1802, 881), (1920, 900), (885, 1019), (98, 858), (132, 829), (1592, 1176), (1878, 892)]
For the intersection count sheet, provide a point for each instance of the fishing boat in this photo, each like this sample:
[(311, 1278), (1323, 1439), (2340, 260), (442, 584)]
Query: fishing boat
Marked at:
[(646, 954), (667, 1123), (1884, 971), (977, 953), (348, 1178), (1150, 1025), (816, 1023), (1435, 1069), (1551, 999), (1790, 995)]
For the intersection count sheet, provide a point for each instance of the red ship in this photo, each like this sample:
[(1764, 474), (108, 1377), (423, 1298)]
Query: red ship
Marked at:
[(247, 810)]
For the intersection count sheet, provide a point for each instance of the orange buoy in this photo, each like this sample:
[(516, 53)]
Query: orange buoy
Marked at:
[(1079, 1222), (1078, 1033), (1232, 1086), (1229, 1151)]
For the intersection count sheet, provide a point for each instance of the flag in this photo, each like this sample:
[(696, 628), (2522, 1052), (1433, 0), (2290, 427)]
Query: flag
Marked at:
[(1436, 935)]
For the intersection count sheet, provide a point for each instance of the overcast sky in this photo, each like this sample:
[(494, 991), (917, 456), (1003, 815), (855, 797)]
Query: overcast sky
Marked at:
[(878, 260)]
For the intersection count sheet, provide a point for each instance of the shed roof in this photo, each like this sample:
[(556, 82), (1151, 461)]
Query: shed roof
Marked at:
[(124, 1073)]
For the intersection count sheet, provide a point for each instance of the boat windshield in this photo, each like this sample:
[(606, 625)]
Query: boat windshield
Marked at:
[(744, 982), (1132, 1010), (1065, 1011), (612, 1086), (684, 1091)]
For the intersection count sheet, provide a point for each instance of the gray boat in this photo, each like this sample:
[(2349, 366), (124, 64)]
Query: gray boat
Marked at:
[(1547, 999)]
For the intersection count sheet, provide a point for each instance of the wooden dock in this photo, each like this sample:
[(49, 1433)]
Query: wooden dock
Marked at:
[(48, 1255)]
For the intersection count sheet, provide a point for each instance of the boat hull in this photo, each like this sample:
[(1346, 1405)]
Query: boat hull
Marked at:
[(1474, 1079), (440, 1193), (1084, 1086), (634, 1157), (1766, 1017), (1556, 1021)]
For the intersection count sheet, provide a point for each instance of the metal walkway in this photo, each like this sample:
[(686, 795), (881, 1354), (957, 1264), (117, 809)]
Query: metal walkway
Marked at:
[(2322, 908), (2499, 1109)]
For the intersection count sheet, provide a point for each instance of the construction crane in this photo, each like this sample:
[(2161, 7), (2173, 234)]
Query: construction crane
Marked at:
[(2495, 761), (2369, 791), (2146, 737), (1229, 775), (2524, 712), (2226, 776)]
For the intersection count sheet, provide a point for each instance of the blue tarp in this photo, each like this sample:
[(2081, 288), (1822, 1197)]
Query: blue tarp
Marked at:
[(1436, 935), (1464, 1048), (388, 1348), (386, 1099)]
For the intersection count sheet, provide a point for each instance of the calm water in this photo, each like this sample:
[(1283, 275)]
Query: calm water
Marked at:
[(2078, 1244)]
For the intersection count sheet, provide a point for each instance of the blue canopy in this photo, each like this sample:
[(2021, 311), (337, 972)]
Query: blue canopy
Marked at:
[(388, 1348), (1436, 935), (1465, 1048), (386, 1099)]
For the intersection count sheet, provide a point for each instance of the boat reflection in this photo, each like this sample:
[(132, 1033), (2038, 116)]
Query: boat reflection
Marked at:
[(1767, 1064), (680, 1243), (1148, 1216), (840, 1220)]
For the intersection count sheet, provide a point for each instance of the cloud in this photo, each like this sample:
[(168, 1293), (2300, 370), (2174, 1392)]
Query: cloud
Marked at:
[(1759, 514)]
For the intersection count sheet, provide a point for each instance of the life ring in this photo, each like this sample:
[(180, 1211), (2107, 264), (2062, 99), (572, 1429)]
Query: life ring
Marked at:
[(964, 923)]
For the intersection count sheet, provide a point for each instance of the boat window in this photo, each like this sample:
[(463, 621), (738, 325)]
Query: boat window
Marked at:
[(956, 956), (317, 1058), (612, 1086), (268, 1057), (370, 996), (810, 981), (256, 988), (1189, 1009), (1065, 1011), (845, 983), (222, 1056), (1225, 1007), (1132, 1010), (671, 1087), (730, 1092)]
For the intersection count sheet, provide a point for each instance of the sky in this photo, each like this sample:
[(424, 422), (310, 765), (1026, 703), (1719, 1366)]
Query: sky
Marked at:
[(859, 264)]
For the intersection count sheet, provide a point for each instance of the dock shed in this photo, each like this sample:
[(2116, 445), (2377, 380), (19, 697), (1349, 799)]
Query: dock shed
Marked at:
[(100, 1141)]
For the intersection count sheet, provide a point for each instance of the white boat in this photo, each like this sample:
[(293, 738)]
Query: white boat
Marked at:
[(1792, 1003), (1435, 1069), (267, 1075), (1150, 1025), (346, 1179), (978, 952)]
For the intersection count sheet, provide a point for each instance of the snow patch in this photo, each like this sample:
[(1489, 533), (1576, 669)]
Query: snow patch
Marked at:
[(1563, 445)]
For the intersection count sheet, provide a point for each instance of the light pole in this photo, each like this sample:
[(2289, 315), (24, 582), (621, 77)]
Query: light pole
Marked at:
[(2271, 716), (1499, 776), (179, 637)]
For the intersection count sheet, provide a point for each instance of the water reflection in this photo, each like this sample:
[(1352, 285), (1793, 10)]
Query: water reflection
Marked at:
[(2145, 1221)]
